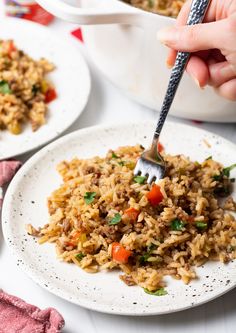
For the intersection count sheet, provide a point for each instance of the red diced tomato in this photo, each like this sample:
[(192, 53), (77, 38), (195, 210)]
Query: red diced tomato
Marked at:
[(11, 47), (72, 244), (120, 254), (132, 213), (76, 235), (154, 195), (191, 219), (50, 95)]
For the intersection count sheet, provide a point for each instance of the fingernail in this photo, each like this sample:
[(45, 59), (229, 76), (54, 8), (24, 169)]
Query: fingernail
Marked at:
[(164, 35), (197, 82)]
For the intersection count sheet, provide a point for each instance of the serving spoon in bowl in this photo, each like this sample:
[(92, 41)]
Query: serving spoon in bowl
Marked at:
[(151, 163)]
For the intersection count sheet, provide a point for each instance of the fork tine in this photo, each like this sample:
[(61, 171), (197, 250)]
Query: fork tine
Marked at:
[(151, 170), (150, 178), (137, 169)]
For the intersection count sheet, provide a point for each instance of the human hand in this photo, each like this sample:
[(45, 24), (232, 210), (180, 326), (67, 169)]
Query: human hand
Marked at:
[(212, 43)]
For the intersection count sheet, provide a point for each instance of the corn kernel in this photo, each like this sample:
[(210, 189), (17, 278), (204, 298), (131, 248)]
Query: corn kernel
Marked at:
[(44, 86), (15, 128)]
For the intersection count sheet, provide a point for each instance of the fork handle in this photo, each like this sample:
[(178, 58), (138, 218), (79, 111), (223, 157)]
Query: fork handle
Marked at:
[(196, 15)]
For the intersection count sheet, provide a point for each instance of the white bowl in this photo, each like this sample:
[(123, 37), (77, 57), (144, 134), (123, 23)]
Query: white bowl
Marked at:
[(128, 53)]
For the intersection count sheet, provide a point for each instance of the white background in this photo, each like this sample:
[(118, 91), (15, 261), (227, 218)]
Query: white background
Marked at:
[(108, 105)]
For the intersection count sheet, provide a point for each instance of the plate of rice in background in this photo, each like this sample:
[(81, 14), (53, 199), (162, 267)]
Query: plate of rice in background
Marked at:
[(42, 89), (95, 235)]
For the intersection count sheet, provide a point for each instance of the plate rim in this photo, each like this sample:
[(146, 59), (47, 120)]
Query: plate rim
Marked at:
[(33, 276), (67, 41)]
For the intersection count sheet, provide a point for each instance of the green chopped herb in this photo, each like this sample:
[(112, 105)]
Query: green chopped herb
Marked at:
[(217, 177), (122, 163), (113, 155), (147, 255), (201, 225), (115, 220), (177, 225), (144, 258), (231, 248), (226, 171), (4, 87), (150, 3), (158, 292), (151, 247), (208, 158), (35, 89), (89, 197), (140, 179), (80, 256)]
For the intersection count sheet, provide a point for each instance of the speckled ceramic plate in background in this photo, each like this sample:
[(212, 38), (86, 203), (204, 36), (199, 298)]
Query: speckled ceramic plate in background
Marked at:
[(25, 202), (71, 79)]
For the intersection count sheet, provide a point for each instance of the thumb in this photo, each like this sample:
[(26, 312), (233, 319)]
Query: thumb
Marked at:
[(193, 38)]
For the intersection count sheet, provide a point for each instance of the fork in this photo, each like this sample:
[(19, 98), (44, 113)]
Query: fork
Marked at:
[(151, 163)]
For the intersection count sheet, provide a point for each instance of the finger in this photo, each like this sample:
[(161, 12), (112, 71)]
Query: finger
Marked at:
[(170, 60), (221, 72), (198, 70), (181, 20), (228, 90), (172, 56), (193, 38)]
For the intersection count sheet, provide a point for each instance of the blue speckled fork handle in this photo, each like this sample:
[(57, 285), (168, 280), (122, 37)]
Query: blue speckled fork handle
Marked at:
[(196, 15)]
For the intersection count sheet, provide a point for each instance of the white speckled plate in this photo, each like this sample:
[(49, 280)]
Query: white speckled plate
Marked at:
[(25, 202), (71, 79)]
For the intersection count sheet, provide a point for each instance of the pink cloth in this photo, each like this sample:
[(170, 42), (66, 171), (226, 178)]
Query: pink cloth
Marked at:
[(7, 171), (18, 316)]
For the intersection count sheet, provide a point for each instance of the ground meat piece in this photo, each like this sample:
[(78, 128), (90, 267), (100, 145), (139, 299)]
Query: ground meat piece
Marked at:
[(127, 279), (230, 204), (89, 169), (66, 225), (109, 232)]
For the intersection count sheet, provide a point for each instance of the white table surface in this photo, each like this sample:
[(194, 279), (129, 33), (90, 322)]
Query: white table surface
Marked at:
[(108, 105)]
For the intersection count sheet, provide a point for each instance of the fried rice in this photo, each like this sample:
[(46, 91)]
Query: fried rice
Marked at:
[(163, 7), (104, 218), (24, 89)]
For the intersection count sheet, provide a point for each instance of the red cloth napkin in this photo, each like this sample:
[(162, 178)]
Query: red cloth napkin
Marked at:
[(19, 316), (7, 171), (15, 314)]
